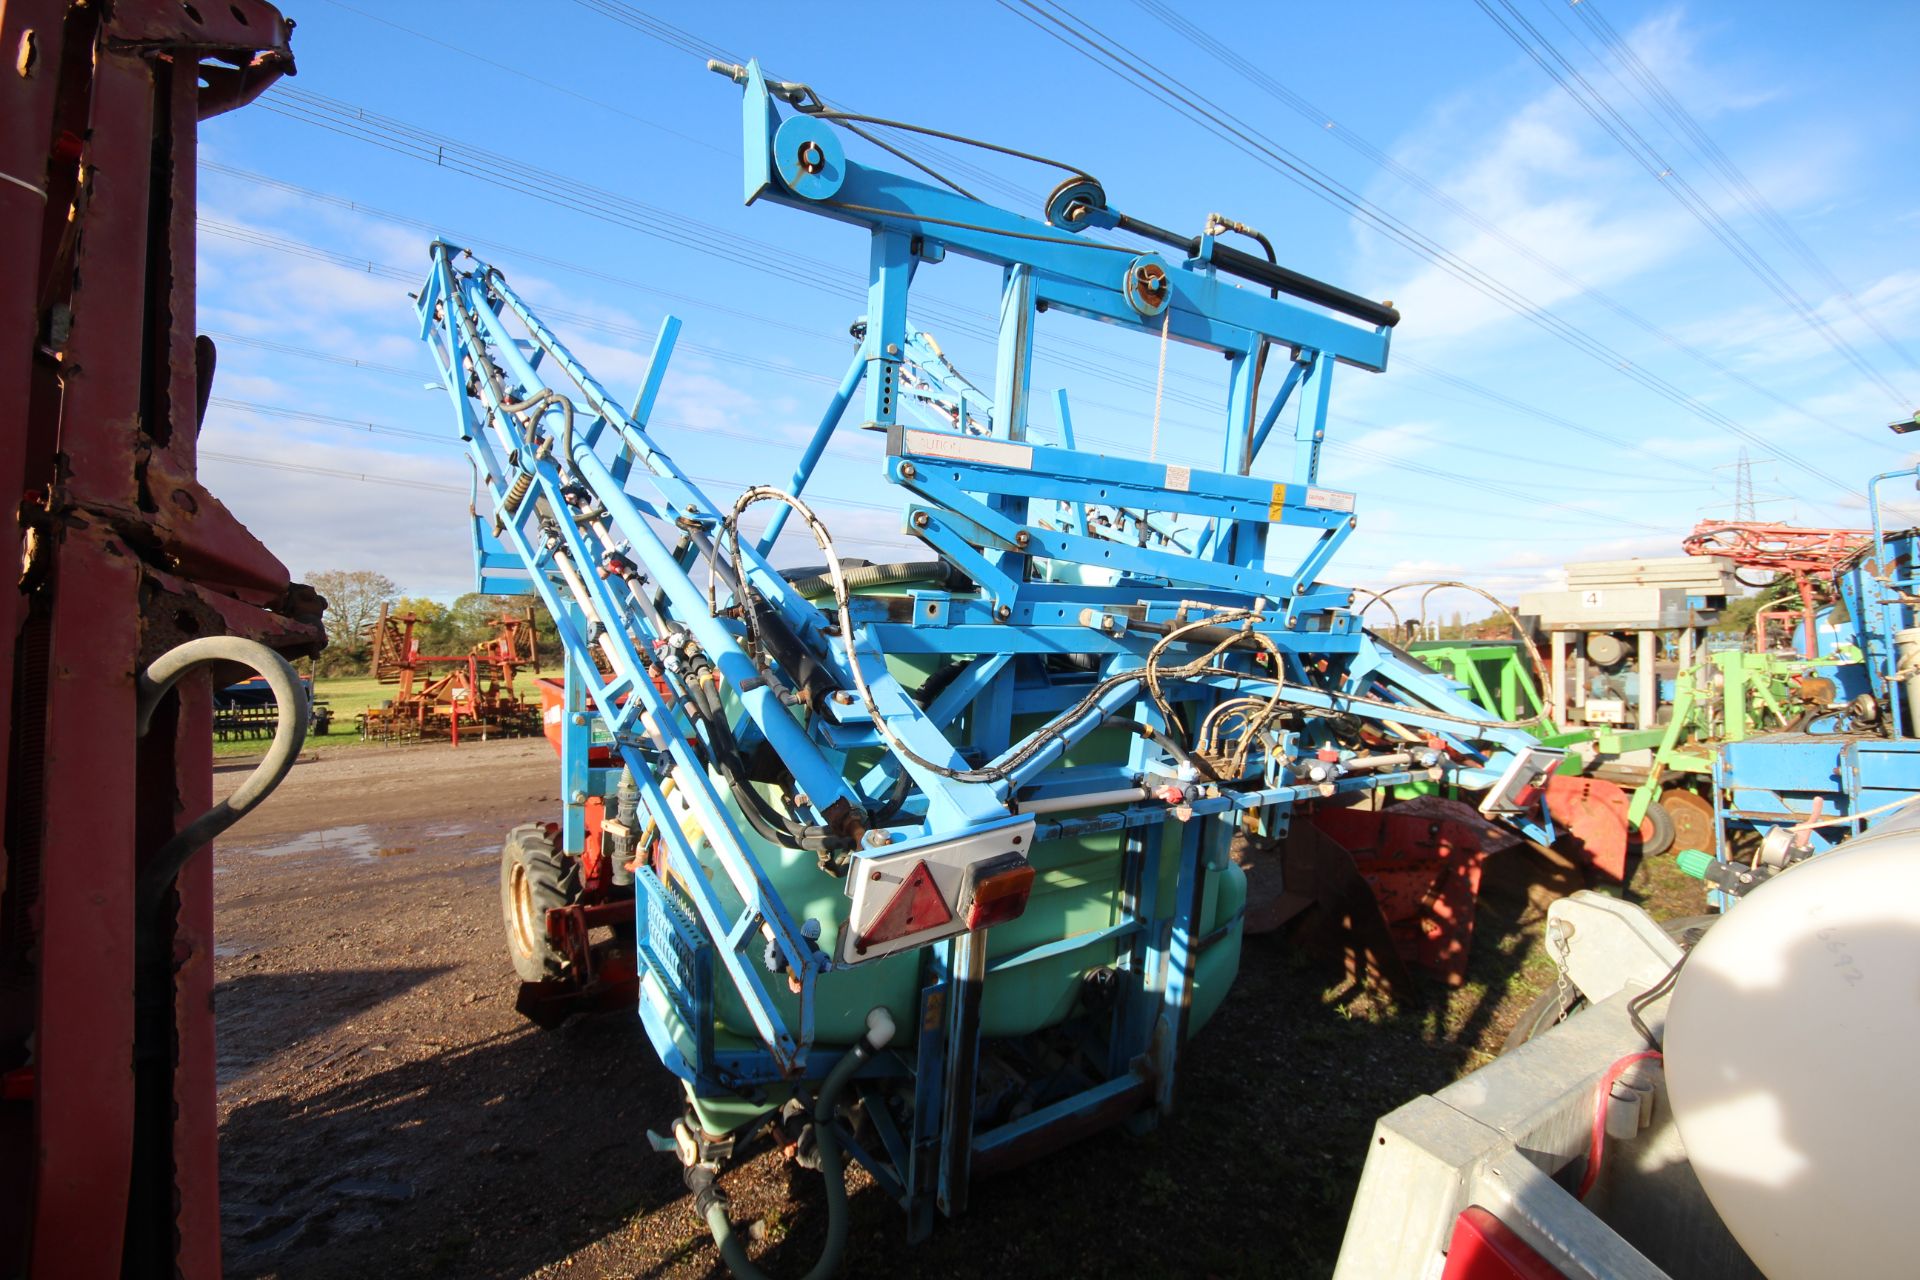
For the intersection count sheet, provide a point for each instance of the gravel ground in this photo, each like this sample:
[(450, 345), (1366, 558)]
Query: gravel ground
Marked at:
[(384, 1108)]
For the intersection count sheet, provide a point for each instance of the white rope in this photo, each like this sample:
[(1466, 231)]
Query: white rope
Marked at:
[(1862, 816), (22, 182), (1159, 386)]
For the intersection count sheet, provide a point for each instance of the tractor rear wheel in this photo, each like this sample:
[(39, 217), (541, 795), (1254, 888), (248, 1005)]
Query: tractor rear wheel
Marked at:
[(1655, 835), (534, 878)]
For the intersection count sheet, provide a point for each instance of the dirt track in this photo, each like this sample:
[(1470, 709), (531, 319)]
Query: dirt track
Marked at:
[(384, 1109)]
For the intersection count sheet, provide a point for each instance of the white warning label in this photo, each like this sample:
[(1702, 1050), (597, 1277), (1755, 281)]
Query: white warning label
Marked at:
[(1329, 500), (992, 453)]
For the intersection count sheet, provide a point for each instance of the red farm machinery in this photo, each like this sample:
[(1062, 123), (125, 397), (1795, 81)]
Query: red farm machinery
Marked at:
[(138, 594), (1810, 557), (446, 695)]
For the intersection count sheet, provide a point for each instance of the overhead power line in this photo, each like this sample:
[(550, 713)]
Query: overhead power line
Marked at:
[(377, 428), (762, 257), (912, 147), (307, 353), (439, 231), (620, 330), (1537, 46), (682, 40), (402, 482), (1323, 121), (432, 148), (610, 206), (530, 78), (309, 468), (1516, 493), (1736, 181), (1134, 69), (329, 420)]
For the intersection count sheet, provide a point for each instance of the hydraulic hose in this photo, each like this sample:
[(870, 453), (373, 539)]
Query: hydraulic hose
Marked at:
[(1200, 767), (772, 825), (870, 576), (713, 1206), (289, 734)]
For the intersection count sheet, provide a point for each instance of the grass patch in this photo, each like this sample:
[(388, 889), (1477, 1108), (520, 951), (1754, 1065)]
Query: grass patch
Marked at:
[(345, 696)]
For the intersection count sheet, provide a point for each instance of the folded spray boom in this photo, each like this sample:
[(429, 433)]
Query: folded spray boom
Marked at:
[(1051, 728)]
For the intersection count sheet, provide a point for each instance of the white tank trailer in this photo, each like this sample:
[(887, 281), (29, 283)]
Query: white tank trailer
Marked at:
[(1756, 1121)]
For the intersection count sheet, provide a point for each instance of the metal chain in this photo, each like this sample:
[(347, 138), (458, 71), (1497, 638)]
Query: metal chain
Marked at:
[(1557, 939)]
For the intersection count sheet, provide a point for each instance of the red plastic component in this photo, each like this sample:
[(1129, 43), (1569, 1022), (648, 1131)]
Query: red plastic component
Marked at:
[(1424, 872), (596, 871), (916, 905), (1001, 895), (1593, 813), (1484, 1248)]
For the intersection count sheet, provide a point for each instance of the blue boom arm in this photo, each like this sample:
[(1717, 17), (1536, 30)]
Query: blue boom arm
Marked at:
[(1090, 588)]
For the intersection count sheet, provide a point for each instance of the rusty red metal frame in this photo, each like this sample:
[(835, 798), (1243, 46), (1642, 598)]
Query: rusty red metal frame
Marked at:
[(108, 1163), (1807, 554), (459, 692)]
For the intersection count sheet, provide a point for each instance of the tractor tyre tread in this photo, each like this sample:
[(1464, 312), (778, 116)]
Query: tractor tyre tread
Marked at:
[(1659, 827), (534, 878)]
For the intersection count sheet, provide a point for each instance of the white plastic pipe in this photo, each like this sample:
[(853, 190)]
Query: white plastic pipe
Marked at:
[(1088, 800), (1906, 647)]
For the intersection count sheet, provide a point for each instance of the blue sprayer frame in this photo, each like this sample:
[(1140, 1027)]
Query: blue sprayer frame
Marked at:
[(622, 573), (1842, 777)]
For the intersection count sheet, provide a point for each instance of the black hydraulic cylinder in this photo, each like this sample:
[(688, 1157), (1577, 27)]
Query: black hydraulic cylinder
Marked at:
[(1259, 271)]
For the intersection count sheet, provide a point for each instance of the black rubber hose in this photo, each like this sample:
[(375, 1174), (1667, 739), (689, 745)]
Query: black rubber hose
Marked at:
[(1168, 745), (713, 1206), (771, 825), (895, 798)]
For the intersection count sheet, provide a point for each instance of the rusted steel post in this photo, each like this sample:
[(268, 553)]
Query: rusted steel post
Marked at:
[(107, 1145)]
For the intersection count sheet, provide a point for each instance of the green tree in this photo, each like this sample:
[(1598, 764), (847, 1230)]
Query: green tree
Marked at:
[(354, 597), (432, 627), (1737, 617)]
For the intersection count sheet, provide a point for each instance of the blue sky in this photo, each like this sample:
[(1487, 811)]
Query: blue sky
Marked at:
[(1426, 110)]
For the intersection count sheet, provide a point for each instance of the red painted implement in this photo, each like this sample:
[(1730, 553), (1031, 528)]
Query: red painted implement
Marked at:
[(1592, 814), (1806, 554), (107, 1128), (437, 695), (1423, 871)]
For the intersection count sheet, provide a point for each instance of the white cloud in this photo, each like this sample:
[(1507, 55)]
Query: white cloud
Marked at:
[(1767, 335), (314, 522), (1548, 178)]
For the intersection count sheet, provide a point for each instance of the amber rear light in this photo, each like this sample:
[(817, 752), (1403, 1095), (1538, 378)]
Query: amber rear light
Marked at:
[(996, 890)]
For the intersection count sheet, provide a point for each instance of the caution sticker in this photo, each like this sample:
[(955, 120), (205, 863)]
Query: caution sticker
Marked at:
[(1329, 500), (1278, 506)]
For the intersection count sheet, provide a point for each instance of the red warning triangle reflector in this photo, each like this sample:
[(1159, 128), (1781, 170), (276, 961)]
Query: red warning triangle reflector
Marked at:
[(916, 905)]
